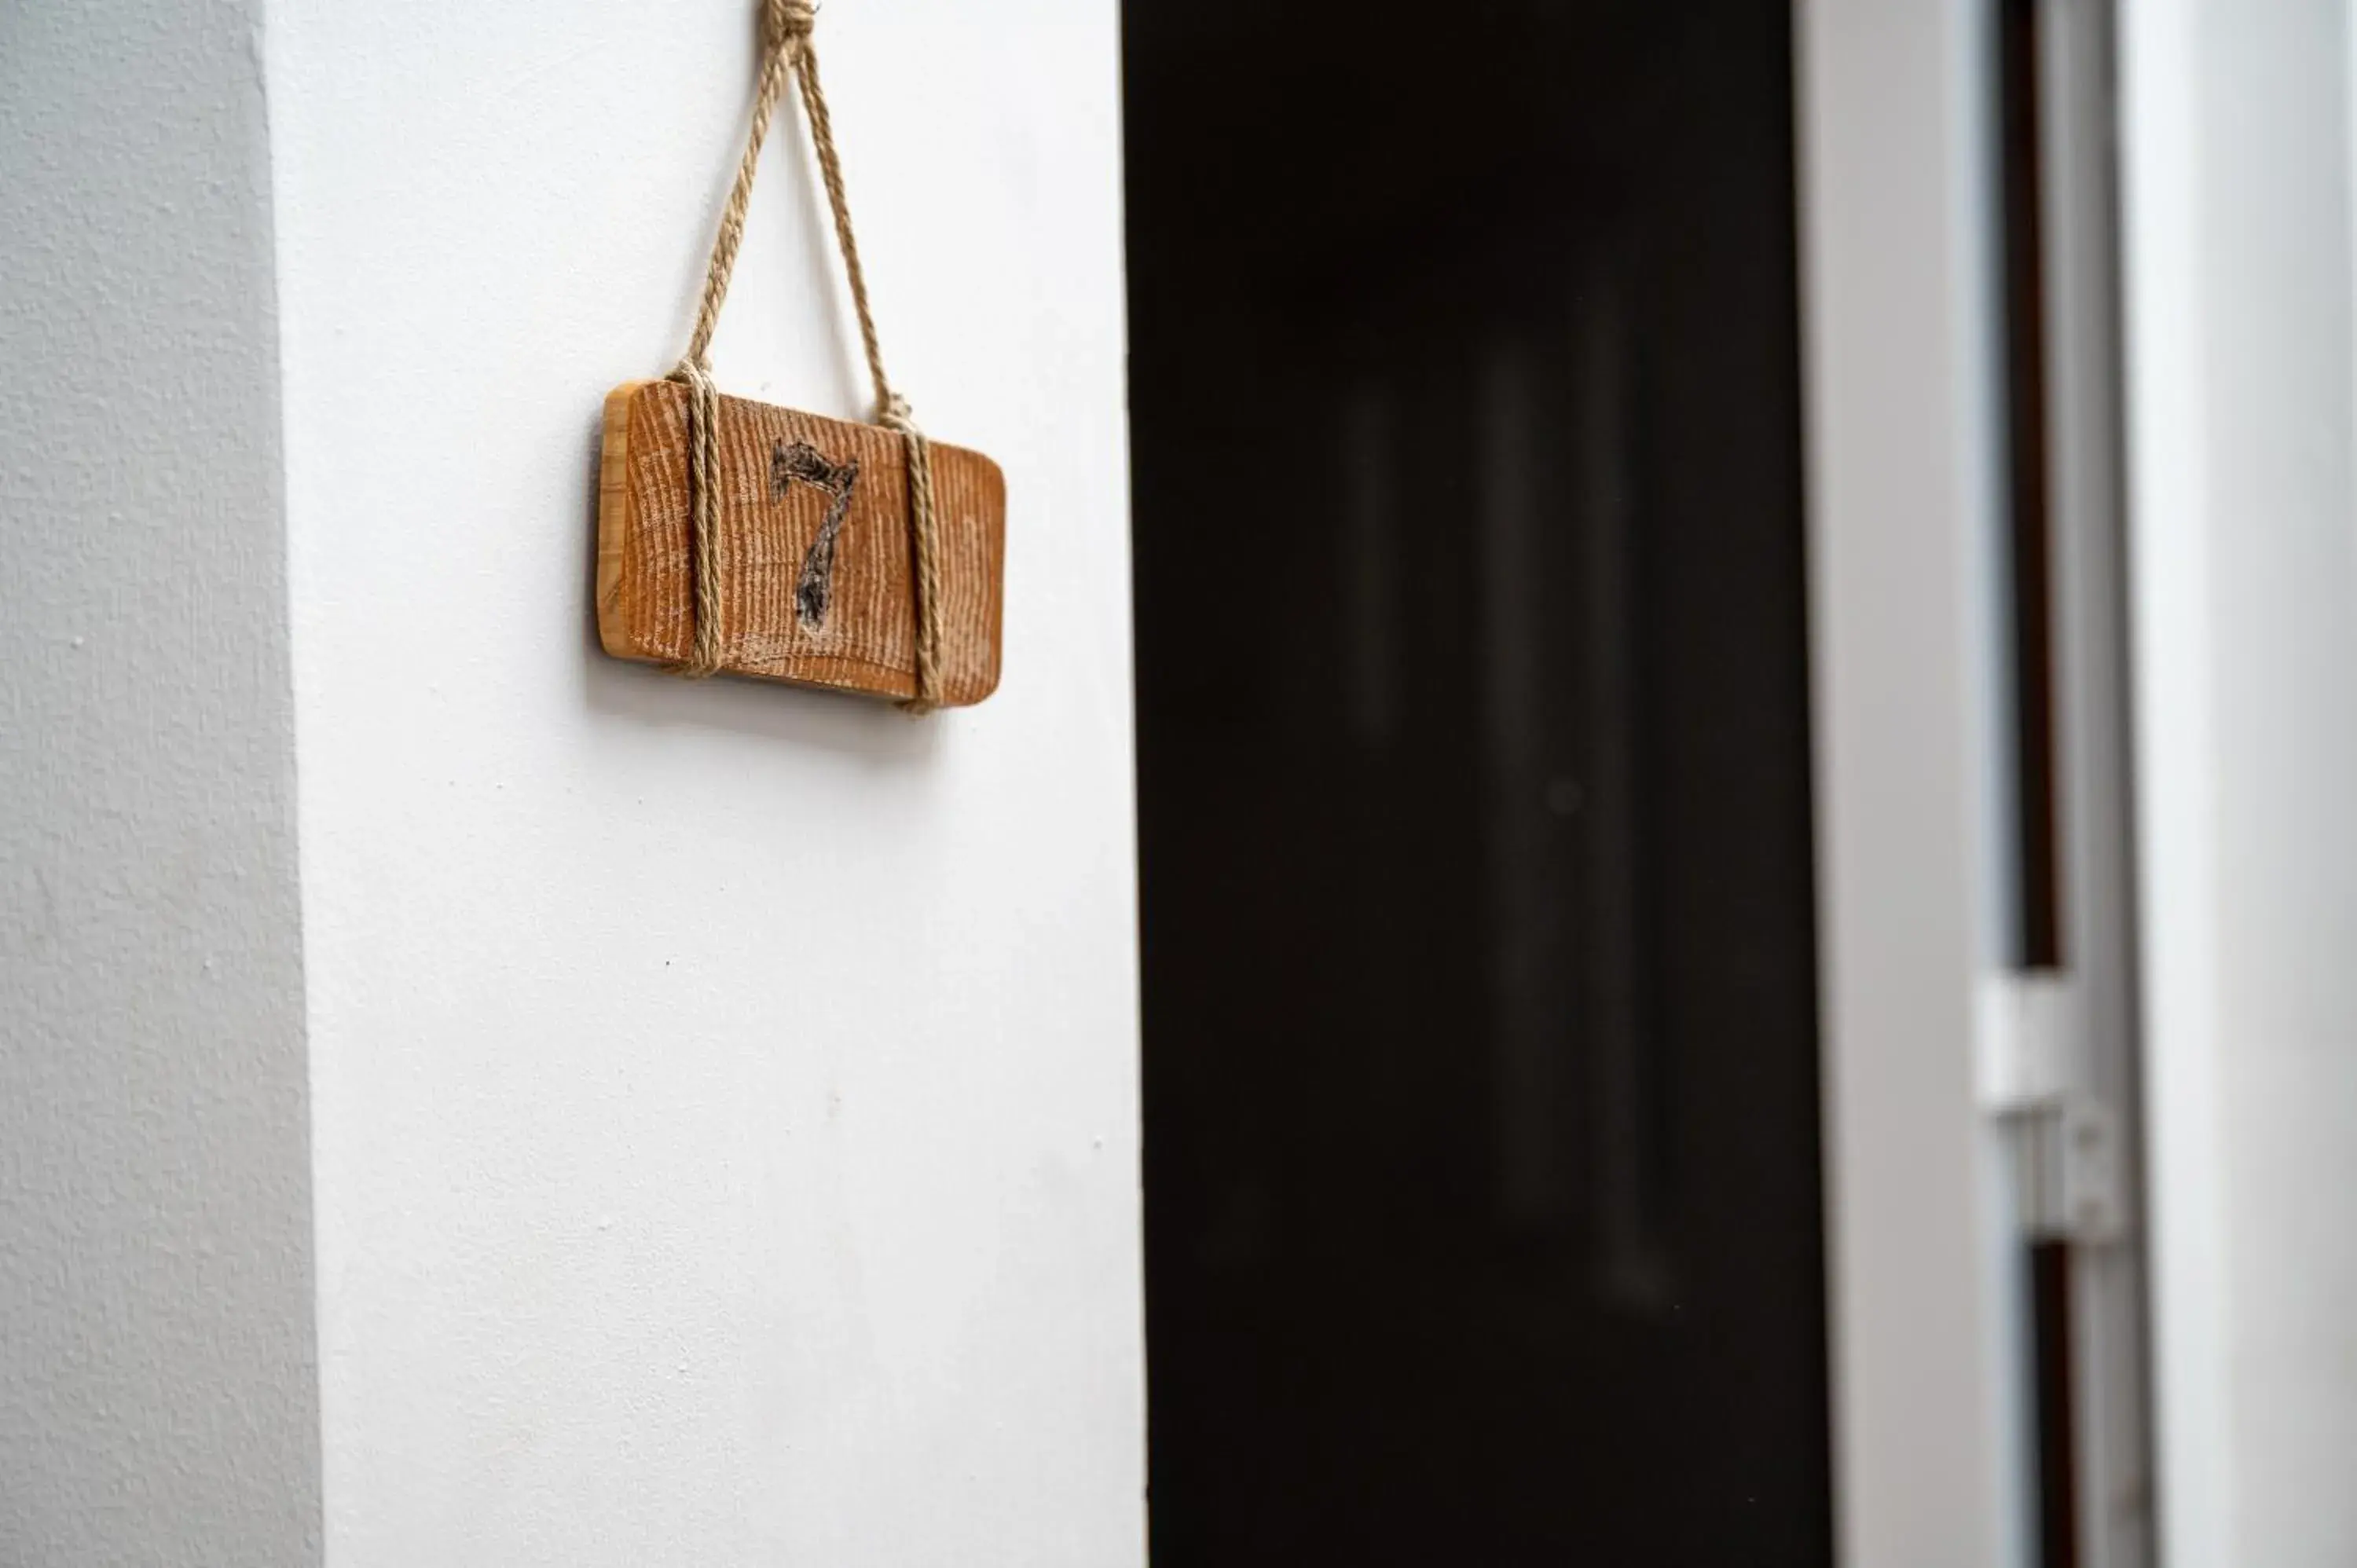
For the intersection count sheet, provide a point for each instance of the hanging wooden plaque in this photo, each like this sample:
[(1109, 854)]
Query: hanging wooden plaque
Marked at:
[(736, 538), (810, 522)]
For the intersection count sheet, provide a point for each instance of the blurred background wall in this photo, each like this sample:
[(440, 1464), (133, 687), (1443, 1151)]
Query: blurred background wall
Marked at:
[(2236, 140)]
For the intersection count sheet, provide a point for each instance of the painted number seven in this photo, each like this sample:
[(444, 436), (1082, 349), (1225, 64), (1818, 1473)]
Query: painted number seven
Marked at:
[(800, 463)]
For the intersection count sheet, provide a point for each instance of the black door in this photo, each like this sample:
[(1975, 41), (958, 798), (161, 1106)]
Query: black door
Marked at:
[(1483, 1189)]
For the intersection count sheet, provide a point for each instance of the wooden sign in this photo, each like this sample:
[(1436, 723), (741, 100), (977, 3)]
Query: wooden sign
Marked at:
[(811, 521), (734, 538)]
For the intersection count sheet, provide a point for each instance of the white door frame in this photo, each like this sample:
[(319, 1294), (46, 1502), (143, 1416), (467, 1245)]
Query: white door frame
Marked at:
[(1899, 364), (1969, 1108)]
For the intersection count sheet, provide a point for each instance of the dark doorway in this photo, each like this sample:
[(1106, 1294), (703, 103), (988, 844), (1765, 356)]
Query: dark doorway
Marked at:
[(1482, 1190)]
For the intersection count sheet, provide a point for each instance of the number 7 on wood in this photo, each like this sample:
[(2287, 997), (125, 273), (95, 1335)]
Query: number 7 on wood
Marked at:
[(801, 461), (813, 523)]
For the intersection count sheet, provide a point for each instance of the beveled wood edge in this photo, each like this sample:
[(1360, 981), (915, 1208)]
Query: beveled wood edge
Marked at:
[(614, 519)]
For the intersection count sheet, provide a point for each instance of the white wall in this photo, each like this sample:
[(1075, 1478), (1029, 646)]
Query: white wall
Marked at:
[(157, 1389), (2240, 271), (725, 1096)]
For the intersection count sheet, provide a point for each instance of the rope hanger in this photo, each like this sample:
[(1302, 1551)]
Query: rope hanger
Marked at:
[(786, 53)]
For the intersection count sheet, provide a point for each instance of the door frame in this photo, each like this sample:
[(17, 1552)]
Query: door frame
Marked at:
[(1901, 387)]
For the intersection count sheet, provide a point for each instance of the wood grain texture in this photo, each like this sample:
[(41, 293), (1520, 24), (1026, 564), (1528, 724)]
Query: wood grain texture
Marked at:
[(781, 472)]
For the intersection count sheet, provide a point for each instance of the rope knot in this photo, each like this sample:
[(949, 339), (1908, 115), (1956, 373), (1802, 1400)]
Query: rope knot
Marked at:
[(896, 414), (788, 20)]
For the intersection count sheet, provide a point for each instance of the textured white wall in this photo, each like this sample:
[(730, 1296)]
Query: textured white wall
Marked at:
[(2243, 401), (725, 1096), (157, 1389)]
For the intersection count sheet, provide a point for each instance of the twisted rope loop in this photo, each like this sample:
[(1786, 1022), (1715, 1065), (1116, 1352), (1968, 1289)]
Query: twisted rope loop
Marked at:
[(786, 26)]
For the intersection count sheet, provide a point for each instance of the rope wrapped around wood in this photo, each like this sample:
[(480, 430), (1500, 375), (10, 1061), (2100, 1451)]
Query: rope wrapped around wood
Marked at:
[(787, 53)]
